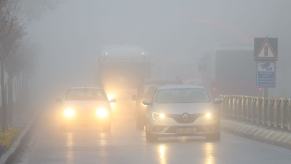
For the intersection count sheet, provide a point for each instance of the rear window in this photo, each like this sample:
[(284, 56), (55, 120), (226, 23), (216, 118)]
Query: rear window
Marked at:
[(184, 95), (85, 94)]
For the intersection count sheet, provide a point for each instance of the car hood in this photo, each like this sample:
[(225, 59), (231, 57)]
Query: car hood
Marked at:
[(180, 108), (86, 103)]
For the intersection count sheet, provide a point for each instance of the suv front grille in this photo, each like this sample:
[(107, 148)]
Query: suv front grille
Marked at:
[(185, 117)]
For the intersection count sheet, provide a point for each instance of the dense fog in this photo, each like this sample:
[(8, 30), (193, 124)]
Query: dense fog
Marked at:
[(145, 81), (70, 35)]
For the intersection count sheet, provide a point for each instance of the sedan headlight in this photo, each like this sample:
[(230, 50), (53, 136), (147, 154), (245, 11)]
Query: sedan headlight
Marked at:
[(158, 116), (69, 112), (102, 113)]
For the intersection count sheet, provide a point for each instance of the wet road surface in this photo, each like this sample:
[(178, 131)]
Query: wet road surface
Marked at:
[(49, 144)]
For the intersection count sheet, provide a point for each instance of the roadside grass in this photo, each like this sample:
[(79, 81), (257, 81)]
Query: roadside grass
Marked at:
[(7, 138)]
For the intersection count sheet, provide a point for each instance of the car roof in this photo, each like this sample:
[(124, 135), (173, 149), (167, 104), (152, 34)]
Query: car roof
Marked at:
[(180, 86)]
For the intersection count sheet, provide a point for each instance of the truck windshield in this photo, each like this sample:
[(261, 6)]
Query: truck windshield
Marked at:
[(85, 94), (186, 95)]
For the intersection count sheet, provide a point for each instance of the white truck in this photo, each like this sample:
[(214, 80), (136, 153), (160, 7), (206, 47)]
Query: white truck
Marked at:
[(123, 70)]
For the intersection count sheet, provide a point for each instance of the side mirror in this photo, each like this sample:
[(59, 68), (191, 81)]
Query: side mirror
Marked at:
[(146, 103), (218, 100)]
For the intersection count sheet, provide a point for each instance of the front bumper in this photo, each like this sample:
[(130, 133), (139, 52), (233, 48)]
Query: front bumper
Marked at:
[(183, 130), (84, 121), (174, 125)]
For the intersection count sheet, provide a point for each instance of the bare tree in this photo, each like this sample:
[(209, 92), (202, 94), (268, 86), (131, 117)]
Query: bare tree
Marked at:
[(10, 33), (33, 9)]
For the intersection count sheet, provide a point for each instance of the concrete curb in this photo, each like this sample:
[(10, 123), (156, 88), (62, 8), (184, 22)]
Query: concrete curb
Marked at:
[(276, 137), (12, 151)]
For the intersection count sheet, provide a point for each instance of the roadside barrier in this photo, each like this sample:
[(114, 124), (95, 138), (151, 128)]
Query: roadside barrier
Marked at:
[(267, 112)]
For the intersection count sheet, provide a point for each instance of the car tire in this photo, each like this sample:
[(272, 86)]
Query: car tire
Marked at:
[(213, 137)]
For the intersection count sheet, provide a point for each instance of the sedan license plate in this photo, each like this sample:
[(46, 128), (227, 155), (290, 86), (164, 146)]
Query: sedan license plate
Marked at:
[(185, 130)]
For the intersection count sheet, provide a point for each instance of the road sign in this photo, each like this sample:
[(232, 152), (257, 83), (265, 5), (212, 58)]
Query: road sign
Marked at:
[(266, 74), (266, 49)]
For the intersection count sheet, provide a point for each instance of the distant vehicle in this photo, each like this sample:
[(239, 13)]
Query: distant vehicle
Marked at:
[(86, 106), (230, 71), (123, 68), (122, 71), (181, 110)]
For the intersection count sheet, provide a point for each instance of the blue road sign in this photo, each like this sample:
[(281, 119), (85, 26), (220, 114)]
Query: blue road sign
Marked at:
[(266, 74)]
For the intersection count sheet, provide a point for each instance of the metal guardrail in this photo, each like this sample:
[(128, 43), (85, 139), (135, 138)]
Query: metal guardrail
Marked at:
[(268, 112)]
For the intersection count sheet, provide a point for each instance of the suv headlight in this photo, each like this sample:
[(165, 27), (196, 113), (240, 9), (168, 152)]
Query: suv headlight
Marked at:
[(102, 113), (158, 116)]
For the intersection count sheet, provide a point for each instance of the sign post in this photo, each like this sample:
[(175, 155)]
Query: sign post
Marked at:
[(266, 55)]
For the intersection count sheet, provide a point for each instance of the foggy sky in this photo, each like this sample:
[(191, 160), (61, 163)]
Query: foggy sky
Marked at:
[(70, 36)]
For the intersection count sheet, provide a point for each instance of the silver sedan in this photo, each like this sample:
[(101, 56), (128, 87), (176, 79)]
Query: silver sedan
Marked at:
[(181, 110)]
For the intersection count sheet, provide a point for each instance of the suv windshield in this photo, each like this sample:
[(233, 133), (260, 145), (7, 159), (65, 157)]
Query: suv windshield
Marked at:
[(186, 95), (85, 94)]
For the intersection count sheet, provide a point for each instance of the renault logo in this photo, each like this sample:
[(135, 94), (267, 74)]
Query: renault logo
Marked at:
[(185, 116)]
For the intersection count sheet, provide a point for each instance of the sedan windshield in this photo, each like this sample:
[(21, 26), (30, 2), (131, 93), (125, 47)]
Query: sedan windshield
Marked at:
[(186, 95), (85, 94)]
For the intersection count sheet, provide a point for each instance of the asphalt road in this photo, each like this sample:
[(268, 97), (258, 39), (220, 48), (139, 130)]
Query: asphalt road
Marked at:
[(49, 144)]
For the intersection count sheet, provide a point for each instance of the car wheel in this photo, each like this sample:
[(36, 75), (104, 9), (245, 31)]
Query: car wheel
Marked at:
[(213, 137)]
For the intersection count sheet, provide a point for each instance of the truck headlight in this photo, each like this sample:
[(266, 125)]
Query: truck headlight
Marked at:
[(69, 112), (102, 113), (158, 116)]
